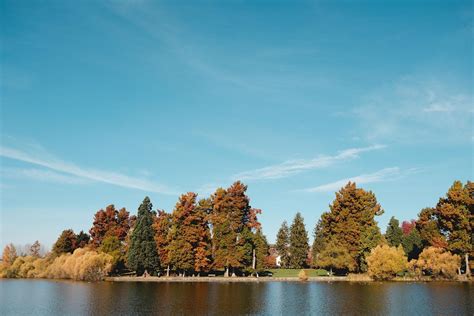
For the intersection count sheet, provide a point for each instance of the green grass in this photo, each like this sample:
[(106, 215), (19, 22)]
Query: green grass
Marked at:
[(293, 273)]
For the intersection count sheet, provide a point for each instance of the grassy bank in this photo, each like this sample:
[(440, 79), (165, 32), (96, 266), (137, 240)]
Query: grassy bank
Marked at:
[(293, 273)]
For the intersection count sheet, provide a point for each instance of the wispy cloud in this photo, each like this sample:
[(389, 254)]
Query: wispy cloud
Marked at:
[(42, 158), (416, 110), (292, 167), (386, 174), (41, 175)]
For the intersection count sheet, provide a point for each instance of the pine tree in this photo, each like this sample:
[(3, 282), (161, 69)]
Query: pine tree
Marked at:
[(394, 233), (412, 244), (282, 244), (298, 243), (82, 239), (261, 250), (318, 242), (66, 242), (142, 255)]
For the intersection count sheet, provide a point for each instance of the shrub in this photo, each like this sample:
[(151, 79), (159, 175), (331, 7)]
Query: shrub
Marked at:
[(302, 275), (385, 262), (83, 264), (437, 263)]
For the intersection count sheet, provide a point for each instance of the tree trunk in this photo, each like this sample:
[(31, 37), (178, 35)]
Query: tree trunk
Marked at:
[(226, 273), (168, 271), (330, 271), (468, 269), (253, 259)]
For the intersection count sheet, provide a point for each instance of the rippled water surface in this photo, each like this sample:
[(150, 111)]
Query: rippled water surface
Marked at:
[(45, 297)]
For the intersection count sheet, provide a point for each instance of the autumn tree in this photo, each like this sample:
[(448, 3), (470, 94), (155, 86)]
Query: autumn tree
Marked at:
[(408, 226), (351, 221), (111, 245), (450, 224), (142, 255), (162, 226), (455, 218), (35, 249), (9, 254), (190, 246), (334, 256), (437, 263), (428, 228), (233, 222), (282, 244), (298, 248), (66, 242), (385, 262), (202, 242), (394, 233), (110, 222)]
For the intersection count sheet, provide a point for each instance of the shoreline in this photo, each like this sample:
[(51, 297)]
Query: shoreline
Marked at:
[(263, 279), (225, 279)]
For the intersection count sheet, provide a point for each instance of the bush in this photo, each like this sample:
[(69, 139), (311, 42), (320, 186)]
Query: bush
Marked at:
[(385, 262), (302, 275), (83, 264), (437, 263)]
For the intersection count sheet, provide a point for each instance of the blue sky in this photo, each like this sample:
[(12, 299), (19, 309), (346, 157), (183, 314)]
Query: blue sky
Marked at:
[(106, 102)]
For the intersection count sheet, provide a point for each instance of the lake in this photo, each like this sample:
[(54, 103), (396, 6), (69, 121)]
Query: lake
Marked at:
[(48, 297)]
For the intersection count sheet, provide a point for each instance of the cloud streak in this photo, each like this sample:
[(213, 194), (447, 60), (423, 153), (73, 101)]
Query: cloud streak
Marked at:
[(48, 161), (386, 174), (292, 167)]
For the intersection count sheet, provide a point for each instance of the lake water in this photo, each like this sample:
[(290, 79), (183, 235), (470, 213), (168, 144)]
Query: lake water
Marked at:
[(46, 297)]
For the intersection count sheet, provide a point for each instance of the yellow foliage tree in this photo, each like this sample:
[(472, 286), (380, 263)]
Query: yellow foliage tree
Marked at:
[(437, 263), (385, 262)]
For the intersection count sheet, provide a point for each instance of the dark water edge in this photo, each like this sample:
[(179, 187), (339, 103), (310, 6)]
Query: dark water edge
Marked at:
[(51, 297)]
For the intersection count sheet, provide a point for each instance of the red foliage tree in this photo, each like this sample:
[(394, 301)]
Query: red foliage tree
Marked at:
[(407, 226), (110, 222)]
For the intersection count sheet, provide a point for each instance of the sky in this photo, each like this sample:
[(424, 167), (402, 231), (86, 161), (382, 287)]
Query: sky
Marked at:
[(106, 102)]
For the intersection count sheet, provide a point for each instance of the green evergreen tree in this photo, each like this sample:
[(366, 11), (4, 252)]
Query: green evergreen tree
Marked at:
[(261, 250), (412, 244), (66, 242), (298, 243), (394, 233), (318, 242), (282, 244), (334, 256), (142, 254)]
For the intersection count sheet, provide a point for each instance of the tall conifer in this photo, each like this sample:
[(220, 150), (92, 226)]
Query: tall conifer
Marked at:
[(142, 255)]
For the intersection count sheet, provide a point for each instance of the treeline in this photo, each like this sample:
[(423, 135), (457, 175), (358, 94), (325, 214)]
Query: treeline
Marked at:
[(222, 234), (347, 238), (218, 233)]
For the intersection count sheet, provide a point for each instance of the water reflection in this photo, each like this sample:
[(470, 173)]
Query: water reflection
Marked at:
[(44, 297)]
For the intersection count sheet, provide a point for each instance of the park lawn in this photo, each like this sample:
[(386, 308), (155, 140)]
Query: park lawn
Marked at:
[(290, 273)]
